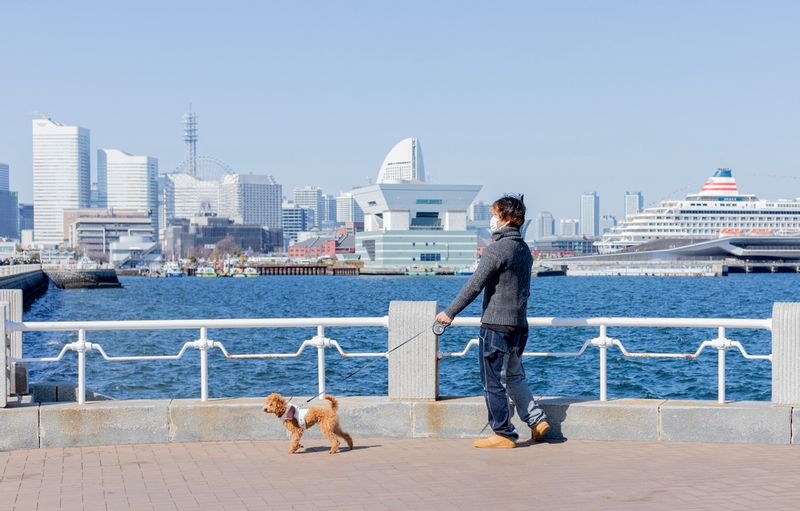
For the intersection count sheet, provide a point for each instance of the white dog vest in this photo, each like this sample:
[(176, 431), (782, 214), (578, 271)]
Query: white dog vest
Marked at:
[(293, 412)]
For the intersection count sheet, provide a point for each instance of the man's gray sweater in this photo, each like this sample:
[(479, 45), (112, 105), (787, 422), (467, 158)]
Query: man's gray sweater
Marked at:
[(505, 274)]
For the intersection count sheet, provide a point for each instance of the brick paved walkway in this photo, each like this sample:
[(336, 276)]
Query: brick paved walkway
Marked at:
[(403, 474)]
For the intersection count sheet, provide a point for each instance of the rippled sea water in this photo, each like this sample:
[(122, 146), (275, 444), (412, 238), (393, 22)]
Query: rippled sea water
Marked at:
[(735, 296)]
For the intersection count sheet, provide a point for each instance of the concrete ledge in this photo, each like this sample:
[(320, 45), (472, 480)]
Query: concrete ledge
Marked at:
[(244, 419), (463, 417), (19, 427), (191, 420), (103, 423), (619, 419), (133, 422), (707, 421)]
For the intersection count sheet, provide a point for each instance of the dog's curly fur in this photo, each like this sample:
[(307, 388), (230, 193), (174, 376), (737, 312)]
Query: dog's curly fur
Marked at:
[(327, 419)]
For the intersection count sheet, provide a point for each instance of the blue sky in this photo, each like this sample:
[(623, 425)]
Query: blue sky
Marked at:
[(547, 98)]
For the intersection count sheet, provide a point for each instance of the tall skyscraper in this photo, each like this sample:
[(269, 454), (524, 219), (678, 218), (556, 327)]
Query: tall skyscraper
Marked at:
[(310, 197), (4, 174), (329, 217), (188, 197), (634, 202), (347, 209), (295, 219), (545, 225), (607, 223), (9, 215), (61, 176), (403, 163), (480, 211), (568, 227), (25, 217), (590, 214), (251, 199), (127, 181)]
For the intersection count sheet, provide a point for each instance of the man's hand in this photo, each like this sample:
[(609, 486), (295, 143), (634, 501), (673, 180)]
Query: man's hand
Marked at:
[(443, 318)]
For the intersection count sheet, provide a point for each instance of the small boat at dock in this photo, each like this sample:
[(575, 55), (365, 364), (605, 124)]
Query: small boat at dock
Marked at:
[(206, 272)]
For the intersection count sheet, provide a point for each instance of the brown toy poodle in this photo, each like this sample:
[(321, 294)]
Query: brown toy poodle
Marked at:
[(297, 420)]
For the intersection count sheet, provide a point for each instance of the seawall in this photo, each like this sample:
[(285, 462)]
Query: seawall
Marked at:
[(32, 283), (33, 425)]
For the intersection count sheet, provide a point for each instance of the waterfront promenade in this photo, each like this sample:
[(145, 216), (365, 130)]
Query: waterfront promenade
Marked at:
[(402, 474)]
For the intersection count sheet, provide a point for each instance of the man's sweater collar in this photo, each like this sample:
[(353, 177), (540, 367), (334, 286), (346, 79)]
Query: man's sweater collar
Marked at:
[(507, 232)]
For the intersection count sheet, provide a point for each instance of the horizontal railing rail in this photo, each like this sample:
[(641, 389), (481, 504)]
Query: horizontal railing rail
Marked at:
[(721, 342), (321, 342), (203, 343)]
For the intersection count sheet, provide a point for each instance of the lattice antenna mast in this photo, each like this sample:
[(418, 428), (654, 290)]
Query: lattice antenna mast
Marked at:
[(190, 141)]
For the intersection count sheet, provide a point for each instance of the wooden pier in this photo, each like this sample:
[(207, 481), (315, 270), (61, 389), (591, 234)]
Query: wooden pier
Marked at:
[(306, 269)]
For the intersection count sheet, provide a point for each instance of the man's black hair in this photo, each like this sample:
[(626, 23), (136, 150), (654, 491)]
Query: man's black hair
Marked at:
[(511, 208)]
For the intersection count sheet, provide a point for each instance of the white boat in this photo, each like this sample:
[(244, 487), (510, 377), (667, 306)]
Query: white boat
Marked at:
[(86, 264), (718, 210), (173, 269), (206, 272), (250, 273)]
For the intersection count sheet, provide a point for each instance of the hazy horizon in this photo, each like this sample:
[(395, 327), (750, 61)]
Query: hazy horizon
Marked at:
[(548, 100)]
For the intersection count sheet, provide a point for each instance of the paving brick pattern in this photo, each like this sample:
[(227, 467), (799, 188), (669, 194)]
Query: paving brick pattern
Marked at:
[(387, 474)]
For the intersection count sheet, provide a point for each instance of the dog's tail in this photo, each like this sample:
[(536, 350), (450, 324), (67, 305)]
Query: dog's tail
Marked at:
[(334, 402)]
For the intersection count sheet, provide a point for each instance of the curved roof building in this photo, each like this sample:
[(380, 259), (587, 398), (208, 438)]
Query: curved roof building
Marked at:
[(403, 164), (408, 222)]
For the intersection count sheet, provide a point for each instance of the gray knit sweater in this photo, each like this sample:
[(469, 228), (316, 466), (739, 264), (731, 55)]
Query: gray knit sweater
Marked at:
[(505, 274)]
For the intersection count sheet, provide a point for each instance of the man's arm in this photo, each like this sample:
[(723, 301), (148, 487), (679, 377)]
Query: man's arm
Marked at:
[(488, 266)]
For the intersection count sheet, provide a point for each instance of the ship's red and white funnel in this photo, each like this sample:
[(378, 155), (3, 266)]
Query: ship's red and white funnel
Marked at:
[(722, 183)]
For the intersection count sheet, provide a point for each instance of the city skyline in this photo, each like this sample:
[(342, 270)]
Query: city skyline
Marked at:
[(598, 98)]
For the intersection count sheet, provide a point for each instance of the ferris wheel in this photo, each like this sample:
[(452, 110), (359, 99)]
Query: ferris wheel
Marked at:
[(206, 168)]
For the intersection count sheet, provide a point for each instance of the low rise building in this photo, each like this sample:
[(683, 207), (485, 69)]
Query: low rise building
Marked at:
[(91, 231), (201, 236), (313, 248), (135, 252)]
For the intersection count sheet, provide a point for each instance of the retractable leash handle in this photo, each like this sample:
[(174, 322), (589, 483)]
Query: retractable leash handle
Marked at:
[(439, 328)]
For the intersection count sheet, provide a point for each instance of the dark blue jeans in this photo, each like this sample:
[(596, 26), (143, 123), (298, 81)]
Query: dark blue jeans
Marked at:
[(503, 376)]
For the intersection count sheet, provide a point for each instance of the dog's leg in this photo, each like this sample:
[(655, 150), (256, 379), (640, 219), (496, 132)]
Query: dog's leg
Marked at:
[(345, 436), (328, 432), (297, 433)]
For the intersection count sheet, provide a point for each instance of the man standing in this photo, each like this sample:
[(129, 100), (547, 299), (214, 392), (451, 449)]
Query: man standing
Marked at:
[(504, 275)]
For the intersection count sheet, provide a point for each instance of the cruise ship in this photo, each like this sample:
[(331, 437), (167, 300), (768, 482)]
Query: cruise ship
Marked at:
[(717, 211)]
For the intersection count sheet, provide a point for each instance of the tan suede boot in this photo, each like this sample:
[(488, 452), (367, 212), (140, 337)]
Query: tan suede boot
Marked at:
[(540, 431), (495, 442)]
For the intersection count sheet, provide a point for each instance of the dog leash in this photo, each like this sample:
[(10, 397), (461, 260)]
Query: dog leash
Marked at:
[(373, 361)]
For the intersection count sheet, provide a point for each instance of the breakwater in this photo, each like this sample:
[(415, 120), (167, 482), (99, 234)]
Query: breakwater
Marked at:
[(83, 279), (29, 278)]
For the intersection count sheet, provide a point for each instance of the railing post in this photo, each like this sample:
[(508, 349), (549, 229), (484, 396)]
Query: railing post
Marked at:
[(721, 367), (18, 373), (4, 378), (414, 368), (320, 362), (203, 364), (786, 353), (603, 365), (81, 367)]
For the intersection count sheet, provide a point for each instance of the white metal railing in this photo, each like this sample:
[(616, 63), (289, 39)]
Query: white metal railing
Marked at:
[(603, 342), (203, 343), (17, 269), (721, 343)]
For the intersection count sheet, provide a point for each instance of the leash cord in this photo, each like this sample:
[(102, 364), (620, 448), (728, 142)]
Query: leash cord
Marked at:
[(373, 361)]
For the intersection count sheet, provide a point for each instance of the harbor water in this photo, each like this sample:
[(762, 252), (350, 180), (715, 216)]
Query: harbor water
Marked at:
[(736, 296)]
